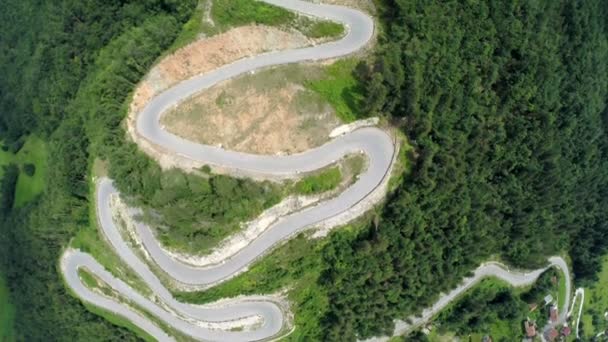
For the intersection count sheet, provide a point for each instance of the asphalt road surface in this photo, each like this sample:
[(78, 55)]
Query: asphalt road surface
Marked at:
[(197, 321), (489, 269)]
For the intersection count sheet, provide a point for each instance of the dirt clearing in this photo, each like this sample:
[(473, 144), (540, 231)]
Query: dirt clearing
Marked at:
[(268, 112)]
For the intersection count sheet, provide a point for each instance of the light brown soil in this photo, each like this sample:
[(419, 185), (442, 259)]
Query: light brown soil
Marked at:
[(208, 54), (243, 115), (258, 122)]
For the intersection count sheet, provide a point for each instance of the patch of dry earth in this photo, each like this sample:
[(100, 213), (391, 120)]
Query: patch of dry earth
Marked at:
[(285, 118)]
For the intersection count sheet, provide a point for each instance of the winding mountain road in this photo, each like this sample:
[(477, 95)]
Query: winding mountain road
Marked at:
[(489, 269), (215, 321), (207, 322)]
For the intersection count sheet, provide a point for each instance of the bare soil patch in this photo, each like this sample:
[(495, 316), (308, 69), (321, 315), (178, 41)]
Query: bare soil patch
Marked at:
[(266, 113), (207, 54)]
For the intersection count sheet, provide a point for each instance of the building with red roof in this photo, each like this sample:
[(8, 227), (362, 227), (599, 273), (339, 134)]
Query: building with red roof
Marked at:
[(553, 313), (530, 328), (551, 334)]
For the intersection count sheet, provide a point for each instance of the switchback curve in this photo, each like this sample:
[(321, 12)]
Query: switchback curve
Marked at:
[(209, 322)]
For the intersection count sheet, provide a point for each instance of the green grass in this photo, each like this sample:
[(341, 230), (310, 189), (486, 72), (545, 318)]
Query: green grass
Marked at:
[(90, 240), (281, 268), (576, 305), (403, 165), (227, 14), (499, 329), (92, 282), (87, 278), (231, 13), (326, 180), (561, 290), (322, 29), (7, 313), (120, 321), (34, 151), (341, 89), (435, 336), (191, 30), (596, 304), (296, 266)]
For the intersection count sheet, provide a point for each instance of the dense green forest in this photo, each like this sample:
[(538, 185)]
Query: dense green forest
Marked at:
[(60, 62), (496, 309), (504, 102), (491, 308)]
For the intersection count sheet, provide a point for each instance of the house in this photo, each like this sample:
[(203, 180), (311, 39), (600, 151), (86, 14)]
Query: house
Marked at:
[(566, 331), (551, 334), (530, 328), (553, 314)]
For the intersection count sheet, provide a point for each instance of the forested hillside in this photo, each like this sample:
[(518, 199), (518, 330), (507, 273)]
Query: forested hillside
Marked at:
[(505, 103), (60, 62)]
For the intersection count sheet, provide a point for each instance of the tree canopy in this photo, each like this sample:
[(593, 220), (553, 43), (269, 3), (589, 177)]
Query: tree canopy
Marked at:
[(505, 104)]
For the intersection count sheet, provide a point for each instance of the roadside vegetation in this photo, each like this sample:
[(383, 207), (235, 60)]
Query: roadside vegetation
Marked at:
[(321, 29), (341, 87), (496, 309), (504, 102), (298, 266), (65, 79), (96, 284), (594, 320), (231, 13), (192, 213), (227, 14), (327, 180)]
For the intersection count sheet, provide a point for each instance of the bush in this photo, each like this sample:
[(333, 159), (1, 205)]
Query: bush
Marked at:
[(8, 183), (29, 169), (325, 181), (16, 146), (228, 13)]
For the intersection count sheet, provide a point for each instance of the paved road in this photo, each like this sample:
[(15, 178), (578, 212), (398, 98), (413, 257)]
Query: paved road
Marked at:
[(579, 292), (194, 320), (490, 269), (191, 319)]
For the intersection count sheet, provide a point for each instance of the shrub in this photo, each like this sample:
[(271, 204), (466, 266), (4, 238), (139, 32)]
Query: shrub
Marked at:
[(29, 169)]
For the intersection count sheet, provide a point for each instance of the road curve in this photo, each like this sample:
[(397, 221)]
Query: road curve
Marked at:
[(206, 322), (360, 28), (485, 270), (579, 292)]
